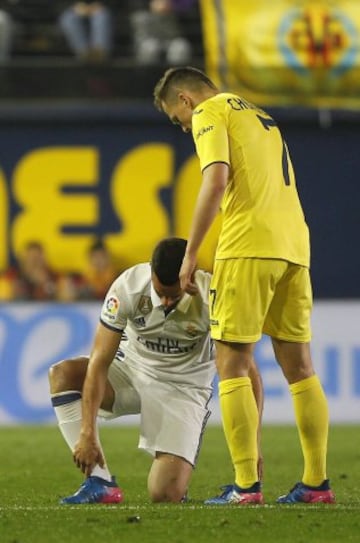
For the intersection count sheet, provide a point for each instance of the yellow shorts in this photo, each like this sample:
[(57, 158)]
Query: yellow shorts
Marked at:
[(252, 296)]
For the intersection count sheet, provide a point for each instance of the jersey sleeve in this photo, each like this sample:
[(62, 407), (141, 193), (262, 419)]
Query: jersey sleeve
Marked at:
[(202, 279), (114, 312), (210, 135)]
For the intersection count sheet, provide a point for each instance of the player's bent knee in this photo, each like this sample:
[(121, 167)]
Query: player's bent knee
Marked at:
[(168, 478), (171, 494), (67, 375), (57, 376)]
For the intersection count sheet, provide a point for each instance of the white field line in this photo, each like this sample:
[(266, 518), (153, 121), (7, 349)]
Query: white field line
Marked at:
[(162, 507)]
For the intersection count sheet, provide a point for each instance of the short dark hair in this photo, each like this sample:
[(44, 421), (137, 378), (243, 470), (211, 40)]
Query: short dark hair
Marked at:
[(167, 259), (97, 245), (176, 78), (33, 244)]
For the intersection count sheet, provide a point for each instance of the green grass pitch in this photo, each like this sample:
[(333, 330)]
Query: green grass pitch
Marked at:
[(36, 469)]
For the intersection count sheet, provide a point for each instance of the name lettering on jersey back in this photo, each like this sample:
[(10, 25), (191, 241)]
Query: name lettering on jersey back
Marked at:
[(204, 130), (240, 103), (166, 345)]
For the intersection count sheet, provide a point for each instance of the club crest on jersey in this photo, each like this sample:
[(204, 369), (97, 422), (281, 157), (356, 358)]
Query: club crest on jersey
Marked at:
[(145, 305), (111, 307)]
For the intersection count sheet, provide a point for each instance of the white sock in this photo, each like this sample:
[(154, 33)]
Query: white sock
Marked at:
[(68, 415)]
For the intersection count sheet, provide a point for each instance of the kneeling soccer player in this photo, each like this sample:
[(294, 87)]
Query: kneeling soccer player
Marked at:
[(163, 370)]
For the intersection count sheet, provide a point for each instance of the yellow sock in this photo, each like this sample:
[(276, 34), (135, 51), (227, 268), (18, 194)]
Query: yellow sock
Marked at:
[(312, 418), (240, 419)]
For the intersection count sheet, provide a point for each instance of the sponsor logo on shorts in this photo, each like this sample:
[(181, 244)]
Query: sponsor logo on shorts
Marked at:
[(145, 305), (214, 322)]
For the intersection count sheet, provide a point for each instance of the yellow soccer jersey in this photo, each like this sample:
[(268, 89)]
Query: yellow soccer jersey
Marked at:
[(262, 214)]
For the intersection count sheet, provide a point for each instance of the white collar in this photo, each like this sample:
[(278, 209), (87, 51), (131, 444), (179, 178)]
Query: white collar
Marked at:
[(183, 305)]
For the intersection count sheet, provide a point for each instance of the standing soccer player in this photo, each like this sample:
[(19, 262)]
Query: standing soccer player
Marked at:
[(261, 282)]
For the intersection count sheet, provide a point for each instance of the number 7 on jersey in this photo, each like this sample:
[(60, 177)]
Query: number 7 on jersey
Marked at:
[(267, 124)]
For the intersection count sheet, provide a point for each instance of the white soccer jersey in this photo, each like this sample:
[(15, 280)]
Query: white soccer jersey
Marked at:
[(175, 347)]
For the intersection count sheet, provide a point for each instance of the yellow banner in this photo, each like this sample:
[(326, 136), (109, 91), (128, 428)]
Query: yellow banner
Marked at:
[(46, 210), (285, 52)]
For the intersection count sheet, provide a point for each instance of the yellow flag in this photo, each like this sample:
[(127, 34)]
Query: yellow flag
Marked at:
[(283, 52)]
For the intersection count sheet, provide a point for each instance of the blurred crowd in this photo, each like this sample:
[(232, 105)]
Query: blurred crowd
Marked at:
[(94, 31), (89, 31), (32, 278)]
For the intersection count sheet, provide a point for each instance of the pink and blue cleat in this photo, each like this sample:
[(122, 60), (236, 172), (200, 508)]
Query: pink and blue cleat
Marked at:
[(302, 493), (234, 495), (95, 490)]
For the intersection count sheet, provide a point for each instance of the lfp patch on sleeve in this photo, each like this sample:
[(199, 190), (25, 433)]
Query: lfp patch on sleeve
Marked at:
[(111, 307)]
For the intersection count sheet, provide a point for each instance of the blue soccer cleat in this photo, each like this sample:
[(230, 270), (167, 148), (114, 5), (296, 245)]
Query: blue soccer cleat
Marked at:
[(234, 495), (301, 493), (96, 490)]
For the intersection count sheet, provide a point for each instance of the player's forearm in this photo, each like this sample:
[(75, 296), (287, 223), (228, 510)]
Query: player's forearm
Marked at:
[(206, 209), (106, 343), (93, 393)]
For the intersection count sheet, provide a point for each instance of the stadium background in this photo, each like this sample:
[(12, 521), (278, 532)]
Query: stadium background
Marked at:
[(84, 154)]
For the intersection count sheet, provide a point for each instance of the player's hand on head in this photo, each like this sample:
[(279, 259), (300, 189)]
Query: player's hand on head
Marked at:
[(187, 275)]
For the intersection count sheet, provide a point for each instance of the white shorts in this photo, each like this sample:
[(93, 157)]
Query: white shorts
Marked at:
[(172, 416)]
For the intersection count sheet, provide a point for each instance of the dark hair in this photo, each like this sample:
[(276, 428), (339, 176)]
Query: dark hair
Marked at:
[(97, 245), (34, 245), (176, 78), (167, 259)]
